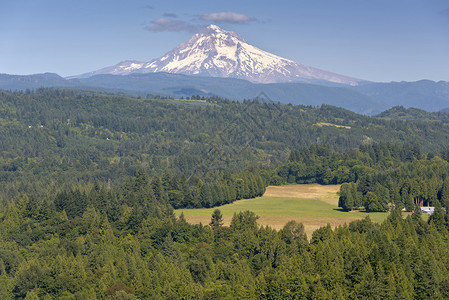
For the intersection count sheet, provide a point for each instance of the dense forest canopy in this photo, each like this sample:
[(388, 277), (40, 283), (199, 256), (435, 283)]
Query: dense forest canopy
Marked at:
[(375, 177), (88, 183), (125, 243), (53, 138)]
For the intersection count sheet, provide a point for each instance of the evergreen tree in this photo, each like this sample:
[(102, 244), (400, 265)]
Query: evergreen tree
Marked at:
[(216, 220)]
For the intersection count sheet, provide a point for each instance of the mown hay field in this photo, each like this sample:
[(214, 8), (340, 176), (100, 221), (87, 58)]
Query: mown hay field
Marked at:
[(311, 204)]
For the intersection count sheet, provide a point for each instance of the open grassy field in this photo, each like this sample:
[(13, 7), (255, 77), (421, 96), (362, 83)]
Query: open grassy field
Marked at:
[(312, 204)]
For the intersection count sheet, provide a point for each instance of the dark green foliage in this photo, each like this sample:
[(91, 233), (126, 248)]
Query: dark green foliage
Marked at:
[(438, 218), (293, 234), (210, 193), (58, 138), (349, 197), (83, 217), (160, 256), (216, 220), (376, 176), (372, 203), (246, 220)]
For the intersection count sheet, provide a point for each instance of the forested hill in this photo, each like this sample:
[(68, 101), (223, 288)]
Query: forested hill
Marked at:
[(402, 113), (88, 182), (64, 137)]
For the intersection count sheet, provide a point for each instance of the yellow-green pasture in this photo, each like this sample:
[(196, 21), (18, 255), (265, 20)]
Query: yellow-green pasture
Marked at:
[(311, 204)]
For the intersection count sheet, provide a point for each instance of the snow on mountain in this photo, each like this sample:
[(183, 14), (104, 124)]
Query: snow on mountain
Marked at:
[(122, 68), (220, 53)]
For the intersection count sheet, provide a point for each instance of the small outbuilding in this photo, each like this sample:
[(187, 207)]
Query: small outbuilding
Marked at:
[(427, 209)]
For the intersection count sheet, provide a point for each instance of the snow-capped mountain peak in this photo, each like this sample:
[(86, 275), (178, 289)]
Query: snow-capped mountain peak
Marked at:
[(220, 53)]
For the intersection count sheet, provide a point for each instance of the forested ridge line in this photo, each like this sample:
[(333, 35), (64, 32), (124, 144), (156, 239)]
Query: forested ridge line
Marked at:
[(53, 139)]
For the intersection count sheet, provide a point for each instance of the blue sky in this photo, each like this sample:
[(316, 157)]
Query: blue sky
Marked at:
[(378, 40)]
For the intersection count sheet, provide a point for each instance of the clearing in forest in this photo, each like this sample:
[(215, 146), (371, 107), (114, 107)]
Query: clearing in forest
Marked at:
[(313, 205)]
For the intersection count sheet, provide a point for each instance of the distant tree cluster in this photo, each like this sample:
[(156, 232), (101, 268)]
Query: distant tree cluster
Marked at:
[(422, 182), (319, 164), (374, 177), (195, 192)]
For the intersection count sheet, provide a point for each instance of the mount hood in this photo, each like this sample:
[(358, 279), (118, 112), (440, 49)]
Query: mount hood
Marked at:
[(219, 53)]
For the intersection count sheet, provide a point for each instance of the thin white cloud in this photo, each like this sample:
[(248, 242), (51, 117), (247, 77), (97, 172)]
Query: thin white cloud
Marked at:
[(169, 21), (170, 15), (167, 24), (226, 17)]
